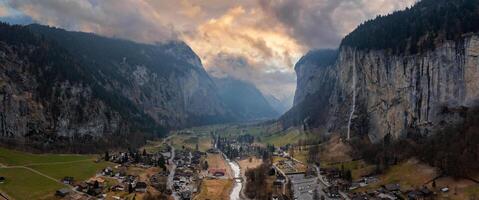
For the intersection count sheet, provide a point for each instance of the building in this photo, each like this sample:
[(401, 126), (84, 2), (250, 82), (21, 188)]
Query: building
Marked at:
[(140, 187), (62, 192)]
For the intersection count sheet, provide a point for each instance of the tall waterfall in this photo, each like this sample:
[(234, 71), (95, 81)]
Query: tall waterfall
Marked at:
[(353, 106)]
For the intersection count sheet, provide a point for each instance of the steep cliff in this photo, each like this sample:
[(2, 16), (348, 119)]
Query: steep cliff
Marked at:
[(59, 85), (394, 76)]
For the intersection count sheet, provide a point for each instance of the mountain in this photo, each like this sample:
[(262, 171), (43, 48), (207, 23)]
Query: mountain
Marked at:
[(394, 75), (244, 99), (59, 87), (316, 82), (280, 106)]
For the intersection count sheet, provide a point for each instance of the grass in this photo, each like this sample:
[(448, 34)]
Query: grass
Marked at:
[(190, 141), (358, 168), (23, 184), (79, 170), (409, 174), (12, 157), (281, 139), (215, 189)]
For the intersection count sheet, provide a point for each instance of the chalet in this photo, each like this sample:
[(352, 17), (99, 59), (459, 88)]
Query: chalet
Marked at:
[(68, 180), (62, 192), (392, 187), (82, 187), (140, 187), (118, 188)]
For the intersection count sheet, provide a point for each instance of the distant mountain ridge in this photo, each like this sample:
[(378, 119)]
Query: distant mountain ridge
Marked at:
[(244, 99)]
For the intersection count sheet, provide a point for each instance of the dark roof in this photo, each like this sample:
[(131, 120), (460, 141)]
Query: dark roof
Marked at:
[(392, 187)]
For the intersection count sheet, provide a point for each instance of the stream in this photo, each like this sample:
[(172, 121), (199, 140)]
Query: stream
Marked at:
[(238, 185)]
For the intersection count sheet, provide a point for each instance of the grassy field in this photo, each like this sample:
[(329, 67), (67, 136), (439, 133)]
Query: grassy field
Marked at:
[(215, 189), (11, 157), (190, 141), (281, 139), (25, 184)]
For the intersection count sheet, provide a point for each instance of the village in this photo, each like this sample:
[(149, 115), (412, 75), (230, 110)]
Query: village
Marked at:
[(185, 173)]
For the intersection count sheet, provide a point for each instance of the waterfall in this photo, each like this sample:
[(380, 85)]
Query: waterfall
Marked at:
[(353, 106)]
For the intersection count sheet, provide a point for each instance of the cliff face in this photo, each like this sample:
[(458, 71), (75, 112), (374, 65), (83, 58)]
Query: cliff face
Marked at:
[(316, 85), (59, 85), (398, 74), (395, 94)]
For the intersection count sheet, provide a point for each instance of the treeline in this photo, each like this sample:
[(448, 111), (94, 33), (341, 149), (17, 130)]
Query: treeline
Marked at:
[(454, 148), (84, 144), (417, 29), (257, 186)]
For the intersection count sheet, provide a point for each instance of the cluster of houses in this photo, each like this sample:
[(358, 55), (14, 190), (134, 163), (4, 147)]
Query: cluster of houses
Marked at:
[(394, 191), (187, 174)]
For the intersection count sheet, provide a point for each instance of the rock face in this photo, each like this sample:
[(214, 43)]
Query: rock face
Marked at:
[(399, 93), (393, 76), (56, 84), (395, 94)]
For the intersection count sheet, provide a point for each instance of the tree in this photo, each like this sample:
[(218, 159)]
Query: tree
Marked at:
[(107, 156), (205, 165), (161, 163), (130, 188)]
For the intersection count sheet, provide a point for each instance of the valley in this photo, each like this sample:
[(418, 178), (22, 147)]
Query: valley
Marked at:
[(239, 100)]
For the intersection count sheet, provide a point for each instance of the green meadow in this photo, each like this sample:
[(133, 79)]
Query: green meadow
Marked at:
[(22, 183)]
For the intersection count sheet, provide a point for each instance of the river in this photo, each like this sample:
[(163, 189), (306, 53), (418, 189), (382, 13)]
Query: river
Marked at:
[(238, 185)]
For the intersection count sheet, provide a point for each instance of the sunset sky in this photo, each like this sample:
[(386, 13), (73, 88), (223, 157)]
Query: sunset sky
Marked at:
[(254, 40)]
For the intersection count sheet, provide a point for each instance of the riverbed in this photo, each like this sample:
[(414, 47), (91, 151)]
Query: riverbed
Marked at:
[(238, 185)]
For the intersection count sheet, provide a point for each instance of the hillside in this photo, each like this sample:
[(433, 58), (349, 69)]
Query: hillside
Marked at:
[(82, 91)]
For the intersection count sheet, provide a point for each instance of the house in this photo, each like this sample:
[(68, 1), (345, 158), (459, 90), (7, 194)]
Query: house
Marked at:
[(118, 188), (68, 180), (82, 187), (62, 192), (141, 187), (392, 187)]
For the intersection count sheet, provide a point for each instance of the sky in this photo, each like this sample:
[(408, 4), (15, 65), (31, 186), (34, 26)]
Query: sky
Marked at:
[(258, 41)]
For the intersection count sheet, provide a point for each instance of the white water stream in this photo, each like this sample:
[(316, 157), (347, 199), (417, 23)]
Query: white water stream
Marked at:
[(238, 185), (353, 106)]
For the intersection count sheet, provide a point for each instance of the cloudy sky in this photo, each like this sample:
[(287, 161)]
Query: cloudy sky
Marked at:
[(254, 40)]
